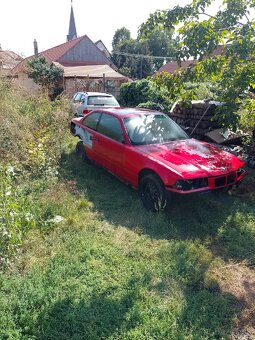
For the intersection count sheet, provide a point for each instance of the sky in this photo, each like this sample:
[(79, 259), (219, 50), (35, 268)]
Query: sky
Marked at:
[(47, 21)]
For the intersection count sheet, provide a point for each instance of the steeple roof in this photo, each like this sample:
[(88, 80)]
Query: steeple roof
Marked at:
[(72, 34)]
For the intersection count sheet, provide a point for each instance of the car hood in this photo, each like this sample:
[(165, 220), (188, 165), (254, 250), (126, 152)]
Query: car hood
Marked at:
[(191, 158)]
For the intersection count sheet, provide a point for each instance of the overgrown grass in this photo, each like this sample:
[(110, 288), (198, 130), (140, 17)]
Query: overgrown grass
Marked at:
[(110, 269)]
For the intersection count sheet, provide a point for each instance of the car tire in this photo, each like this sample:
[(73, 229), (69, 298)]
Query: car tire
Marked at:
[(80, 152), (152, 193)]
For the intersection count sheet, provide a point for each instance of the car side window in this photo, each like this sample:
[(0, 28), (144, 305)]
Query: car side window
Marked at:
[(91, 120), (110, 127)]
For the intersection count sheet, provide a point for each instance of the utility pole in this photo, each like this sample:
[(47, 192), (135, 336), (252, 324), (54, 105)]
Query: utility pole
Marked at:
[(141, 68)]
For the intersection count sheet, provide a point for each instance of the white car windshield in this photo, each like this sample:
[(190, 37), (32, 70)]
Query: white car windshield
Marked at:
[(153, 128)]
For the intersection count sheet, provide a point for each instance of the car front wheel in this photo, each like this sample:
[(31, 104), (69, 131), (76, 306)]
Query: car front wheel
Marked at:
[(152, 193)]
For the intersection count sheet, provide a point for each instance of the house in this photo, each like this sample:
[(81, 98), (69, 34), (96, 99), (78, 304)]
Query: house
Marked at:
[(103, 48), (86, 65), (173, 66), (8, 60)]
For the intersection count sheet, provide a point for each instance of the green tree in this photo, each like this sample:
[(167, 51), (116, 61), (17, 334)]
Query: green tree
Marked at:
[(161, 43), (200, 33), (129, 57), (45, 74), (144, 64), (121, 58), (133, 57), (121, 35)]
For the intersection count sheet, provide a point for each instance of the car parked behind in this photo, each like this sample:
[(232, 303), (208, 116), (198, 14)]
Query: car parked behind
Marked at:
[(84, 102)]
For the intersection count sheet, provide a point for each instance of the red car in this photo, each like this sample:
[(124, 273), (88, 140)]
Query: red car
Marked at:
[(148, 150)]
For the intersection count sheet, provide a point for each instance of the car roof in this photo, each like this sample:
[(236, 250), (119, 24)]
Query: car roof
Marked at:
[(125, 112), (96, 94)]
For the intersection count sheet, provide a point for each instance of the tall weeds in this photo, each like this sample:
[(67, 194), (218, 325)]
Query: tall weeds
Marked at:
[(31, 141)]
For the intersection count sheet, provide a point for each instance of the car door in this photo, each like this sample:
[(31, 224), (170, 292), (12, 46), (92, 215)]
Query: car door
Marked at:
[(111, 143), (89, 136)]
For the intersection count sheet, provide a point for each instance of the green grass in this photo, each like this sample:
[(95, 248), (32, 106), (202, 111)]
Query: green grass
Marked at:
[(112, 270)]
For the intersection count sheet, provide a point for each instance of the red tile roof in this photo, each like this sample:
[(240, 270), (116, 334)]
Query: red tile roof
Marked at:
[(52, 54), (172, 66)]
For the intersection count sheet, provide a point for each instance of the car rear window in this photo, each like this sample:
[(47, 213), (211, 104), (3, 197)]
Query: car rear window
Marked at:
[(102, 101)]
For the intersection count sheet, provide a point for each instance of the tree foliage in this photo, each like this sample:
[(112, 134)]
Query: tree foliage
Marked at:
[(200, 32), (45, 74), (121, 36), (133, 57), (144, 91), (161, 43)]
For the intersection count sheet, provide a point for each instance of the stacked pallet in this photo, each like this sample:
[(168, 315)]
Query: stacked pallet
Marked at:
[(197, 118)]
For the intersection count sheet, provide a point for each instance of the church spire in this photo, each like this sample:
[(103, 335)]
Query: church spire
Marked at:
[(72, 34)]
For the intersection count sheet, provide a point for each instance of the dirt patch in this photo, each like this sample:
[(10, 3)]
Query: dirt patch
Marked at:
[(247, 187), (238, 281)]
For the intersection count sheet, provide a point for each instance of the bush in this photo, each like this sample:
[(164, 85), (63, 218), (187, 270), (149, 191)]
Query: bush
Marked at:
[(143, 91), (32, 129), (151, 106)]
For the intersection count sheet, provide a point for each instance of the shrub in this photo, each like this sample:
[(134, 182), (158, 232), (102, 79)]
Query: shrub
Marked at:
[(32, 129), (151, 106), (143, 91)]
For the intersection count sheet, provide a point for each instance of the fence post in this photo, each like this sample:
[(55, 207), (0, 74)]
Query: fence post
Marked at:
[(104, 85)]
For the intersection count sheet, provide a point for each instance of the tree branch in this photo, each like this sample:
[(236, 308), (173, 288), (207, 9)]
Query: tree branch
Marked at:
[(213, 17)]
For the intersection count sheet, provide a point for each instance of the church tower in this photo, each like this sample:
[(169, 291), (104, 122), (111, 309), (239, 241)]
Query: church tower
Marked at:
[(72, 34)]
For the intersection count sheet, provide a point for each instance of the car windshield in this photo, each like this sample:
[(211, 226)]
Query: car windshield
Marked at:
[(153, 128), (102, 101)]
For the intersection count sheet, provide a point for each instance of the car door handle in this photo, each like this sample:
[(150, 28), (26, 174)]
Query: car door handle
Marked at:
[(95, 139)]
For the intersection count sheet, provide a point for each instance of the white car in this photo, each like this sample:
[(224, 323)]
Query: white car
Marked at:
[(84, 102)]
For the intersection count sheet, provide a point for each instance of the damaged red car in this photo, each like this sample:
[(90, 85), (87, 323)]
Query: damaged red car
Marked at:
[(149, 151)]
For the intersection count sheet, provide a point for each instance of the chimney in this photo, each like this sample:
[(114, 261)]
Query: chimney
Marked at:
[(35, 48)]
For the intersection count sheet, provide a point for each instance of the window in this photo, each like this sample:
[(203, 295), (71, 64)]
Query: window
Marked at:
[(91, 121), (102, 101), (77, 97), (153, 128), (82, 99), (110, 127)]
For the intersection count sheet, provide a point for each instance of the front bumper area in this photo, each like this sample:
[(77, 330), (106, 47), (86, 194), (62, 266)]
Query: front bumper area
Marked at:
[(209, 183)]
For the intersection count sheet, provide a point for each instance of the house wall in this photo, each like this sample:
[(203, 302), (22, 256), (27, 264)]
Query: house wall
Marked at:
[(22, 80), (101, 46), (86, 51)]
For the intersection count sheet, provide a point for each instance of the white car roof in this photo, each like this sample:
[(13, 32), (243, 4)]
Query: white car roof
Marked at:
[(97, 94)]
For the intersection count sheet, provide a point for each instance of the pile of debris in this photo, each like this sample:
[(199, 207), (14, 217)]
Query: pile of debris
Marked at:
[(199, 121), (198, 118)]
